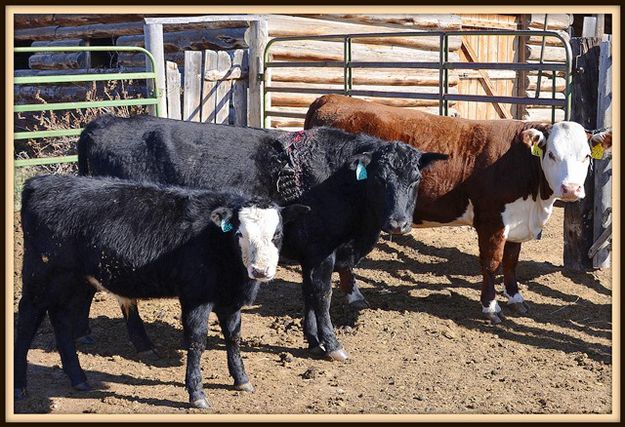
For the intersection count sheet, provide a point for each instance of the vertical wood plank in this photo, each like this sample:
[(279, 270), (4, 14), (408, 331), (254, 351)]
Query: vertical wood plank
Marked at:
[(209, 87), (173, 91), (192, 85), (238, 110), (153, 39), (603, 167), (223, 89), (256, 38)]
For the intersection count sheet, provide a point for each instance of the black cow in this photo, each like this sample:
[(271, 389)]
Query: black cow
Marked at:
[(356, 186), (143, 241)]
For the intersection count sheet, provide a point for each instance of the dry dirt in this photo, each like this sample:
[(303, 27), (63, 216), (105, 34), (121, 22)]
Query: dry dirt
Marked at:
[(422, 346)]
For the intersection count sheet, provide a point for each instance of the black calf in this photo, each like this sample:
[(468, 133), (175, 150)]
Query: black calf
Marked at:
[(142, 241)]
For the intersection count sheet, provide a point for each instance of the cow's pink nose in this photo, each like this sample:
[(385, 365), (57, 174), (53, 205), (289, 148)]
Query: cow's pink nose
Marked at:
[(572, 190)]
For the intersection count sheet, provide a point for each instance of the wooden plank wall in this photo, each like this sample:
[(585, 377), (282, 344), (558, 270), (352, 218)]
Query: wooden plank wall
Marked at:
[(489, 49)]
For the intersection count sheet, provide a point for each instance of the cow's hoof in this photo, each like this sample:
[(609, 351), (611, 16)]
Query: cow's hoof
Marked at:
[(339, 355), (519, 307), (201, 403), (150, 354), (85, 340), (247, 387), (20, 393), (317, 351), (360, 304), (495, 318), (84, 386)]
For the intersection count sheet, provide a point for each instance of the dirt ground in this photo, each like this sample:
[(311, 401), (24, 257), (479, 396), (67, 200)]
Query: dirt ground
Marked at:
[(421, 347)]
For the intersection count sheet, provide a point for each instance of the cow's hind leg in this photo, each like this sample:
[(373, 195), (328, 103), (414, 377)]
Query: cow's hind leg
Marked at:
[(61, 319), (347, 283), (230, 322), (80, 315), (136, 328), (510, 261), (28, 321), (195, 327), (318, 288), (491, 242)]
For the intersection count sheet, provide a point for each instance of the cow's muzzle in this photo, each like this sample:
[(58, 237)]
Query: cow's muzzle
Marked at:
[(572, 192), (261, 274), (397, 226)]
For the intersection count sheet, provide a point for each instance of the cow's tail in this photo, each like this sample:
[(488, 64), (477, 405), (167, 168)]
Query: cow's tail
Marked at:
[(309, 121)]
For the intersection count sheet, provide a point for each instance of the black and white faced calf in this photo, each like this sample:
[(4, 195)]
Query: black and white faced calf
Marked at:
[(356, 186), (135, 240)]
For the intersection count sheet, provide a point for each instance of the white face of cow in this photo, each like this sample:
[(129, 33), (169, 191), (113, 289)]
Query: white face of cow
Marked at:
[(565, 159), (257, 231)]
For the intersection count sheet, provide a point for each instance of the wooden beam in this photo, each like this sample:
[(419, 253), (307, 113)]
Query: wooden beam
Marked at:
[(256, 37), (484, 78), (154, 44)]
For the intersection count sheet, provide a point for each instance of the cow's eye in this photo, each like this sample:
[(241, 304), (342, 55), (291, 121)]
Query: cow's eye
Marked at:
[(551, 156)]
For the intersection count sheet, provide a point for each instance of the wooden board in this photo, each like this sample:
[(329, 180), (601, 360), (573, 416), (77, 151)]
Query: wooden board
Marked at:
[(192, 86), (173, 90)]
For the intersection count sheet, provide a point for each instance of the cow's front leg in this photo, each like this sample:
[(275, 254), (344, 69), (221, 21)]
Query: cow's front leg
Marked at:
[(347, 283), (230, 322), (511, 253), (317, 289), (491, 242), (195, 328)]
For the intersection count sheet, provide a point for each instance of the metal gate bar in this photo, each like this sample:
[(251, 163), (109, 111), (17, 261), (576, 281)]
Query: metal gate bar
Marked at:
[(151, 100), (443, 66)]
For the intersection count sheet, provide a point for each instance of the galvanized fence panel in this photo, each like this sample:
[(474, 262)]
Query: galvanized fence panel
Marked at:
[(443, 65)]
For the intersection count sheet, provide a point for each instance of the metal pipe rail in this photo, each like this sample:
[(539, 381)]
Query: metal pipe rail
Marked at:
[(151, 100), (443, 65)]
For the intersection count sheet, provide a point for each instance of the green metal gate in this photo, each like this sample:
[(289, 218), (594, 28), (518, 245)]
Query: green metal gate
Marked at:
[(150, 100), (443, 66)]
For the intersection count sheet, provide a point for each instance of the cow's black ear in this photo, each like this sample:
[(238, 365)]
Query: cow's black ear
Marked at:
[(427, 158), (221, 215), (293, 212), (363, 158)]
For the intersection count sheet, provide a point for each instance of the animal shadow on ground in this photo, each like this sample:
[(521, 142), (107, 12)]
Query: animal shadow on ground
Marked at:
[(447, 302), (40, 398)]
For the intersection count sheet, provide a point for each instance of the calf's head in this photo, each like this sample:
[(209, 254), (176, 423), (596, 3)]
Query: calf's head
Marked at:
[(565, 150), (392, 180), (258, 231)]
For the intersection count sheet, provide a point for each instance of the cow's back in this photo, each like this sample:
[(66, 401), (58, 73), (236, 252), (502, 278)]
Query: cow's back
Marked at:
[(177, 153), (473, 147)]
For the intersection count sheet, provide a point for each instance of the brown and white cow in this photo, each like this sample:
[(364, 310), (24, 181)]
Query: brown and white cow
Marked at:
[(502, 177)]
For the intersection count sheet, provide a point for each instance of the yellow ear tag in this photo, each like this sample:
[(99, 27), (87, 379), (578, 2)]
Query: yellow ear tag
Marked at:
[(537, 151), (597, 152)]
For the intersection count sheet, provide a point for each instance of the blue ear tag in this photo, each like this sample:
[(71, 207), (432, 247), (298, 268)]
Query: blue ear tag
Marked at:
[(361, 171), (225, 225)]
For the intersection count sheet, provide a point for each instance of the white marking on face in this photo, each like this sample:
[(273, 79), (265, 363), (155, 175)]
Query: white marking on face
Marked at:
[(493, 307), (516, 298), (124, 302), (259, 253), (566, 159), (465, 219), (524, 219)]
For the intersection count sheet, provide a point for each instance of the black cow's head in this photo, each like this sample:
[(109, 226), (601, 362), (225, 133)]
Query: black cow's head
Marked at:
[(257, 228), (392, 175)]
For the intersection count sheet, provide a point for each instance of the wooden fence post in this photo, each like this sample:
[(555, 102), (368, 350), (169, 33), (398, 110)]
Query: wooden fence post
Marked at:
[(603, 168), (578, 218), (256, 38), (173, 91), (153, 34), (209, 86), (192, 85)]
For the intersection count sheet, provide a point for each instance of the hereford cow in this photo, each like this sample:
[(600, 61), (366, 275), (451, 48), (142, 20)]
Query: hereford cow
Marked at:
[(502, 176), (143, 241), (356, 186)]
